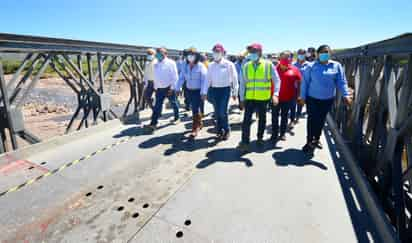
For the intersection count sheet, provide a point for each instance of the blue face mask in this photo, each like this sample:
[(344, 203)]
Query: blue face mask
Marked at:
[(324, 57), (159, 56), (301, 57), (253, 57)]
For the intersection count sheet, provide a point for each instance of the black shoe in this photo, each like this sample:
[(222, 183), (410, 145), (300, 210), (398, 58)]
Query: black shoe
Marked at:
[(274, 138), (220, 135), (318, 144), (260, 143), (308, 149), (225, 136), (243, 147), (283, 137), (150, 128)]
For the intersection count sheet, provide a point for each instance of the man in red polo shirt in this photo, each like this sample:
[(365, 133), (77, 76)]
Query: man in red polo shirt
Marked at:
[(290, 78)]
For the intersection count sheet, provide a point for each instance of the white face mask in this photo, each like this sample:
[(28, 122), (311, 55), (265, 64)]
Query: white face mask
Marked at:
[(217, 56), (191, 58), (149, 57)]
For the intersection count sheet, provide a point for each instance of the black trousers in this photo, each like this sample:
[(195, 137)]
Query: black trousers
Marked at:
[(252, 106), (317, 111), (283, 109)]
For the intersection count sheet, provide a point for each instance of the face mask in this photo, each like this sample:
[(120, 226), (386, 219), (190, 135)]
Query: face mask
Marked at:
[(284, 62), (323, 57), (253, 57), (159, 56), (191, 58), (301, 57), (217, 56), (149, 57)]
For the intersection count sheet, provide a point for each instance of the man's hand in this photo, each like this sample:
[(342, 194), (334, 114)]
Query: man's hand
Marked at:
[(275, 100), (234, 98), (170, 92), (348, 100), (301, 101), (241, 105), (178, 93), (204, 97)]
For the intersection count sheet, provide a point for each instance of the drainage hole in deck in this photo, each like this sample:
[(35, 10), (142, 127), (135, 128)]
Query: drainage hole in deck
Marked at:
[(179, 234)]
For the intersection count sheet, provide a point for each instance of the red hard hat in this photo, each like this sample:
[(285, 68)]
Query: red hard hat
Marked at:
[(218, 47), (255, 46)]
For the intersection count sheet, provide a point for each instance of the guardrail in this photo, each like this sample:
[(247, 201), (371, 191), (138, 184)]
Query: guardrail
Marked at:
[(68, 58), (377, 127)]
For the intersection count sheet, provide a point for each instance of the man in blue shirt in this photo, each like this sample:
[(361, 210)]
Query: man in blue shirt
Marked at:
[(321, 79), (301, 64)]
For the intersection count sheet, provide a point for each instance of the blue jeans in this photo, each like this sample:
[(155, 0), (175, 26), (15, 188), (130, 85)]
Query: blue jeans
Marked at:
[(186, 97), (220, 97), (296, 111), (283, 108), (161, 94), (202, 106), (210, 96), (195, 100)]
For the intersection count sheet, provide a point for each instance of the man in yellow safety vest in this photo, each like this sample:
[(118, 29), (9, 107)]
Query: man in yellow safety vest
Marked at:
[(255, 92)]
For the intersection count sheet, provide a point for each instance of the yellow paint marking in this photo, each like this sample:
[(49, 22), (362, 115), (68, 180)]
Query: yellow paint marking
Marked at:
[(31, 181), (13, 189)]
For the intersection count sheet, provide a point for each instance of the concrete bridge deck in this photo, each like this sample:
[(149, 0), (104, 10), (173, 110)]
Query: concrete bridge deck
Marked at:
[(119, 184)]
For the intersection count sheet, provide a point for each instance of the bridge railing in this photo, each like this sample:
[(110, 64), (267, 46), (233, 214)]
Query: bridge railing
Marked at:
[(88, 68), (377, 127)]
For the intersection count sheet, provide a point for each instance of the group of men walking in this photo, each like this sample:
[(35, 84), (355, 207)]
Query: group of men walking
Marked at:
[(258, 83)]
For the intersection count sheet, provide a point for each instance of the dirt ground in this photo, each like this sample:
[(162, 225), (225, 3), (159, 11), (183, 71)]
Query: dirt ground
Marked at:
[(48, 108)]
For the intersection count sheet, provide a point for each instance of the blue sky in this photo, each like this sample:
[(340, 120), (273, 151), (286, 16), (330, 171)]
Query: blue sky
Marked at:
[(278, 25)]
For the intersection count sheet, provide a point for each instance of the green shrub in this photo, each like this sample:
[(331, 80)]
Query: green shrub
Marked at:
[(10, 66)]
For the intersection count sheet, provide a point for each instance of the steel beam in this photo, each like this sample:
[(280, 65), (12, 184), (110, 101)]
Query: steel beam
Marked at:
[(6, 104), (25, 43)]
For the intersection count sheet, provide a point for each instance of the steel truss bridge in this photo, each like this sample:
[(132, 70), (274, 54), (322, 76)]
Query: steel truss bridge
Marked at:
[(89, 186), (66, 58)]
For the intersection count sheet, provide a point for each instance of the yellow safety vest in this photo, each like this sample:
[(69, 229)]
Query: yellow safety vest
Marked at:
[(258, 81)]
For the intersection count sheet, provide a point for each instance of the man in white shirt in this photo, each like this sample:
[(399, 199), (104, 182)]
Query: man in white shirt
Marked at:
[(148, 77), (165, 79), (223, 83)]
